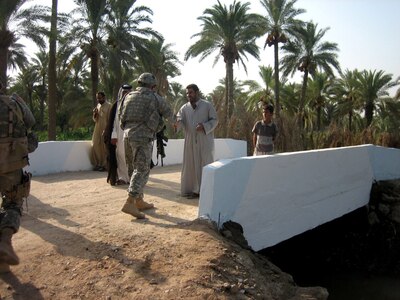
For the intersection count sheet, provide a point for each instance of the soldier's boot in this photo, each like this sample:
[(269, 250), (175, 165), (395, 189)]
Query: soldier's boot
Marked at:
[(141, 204), (7, 254), (130, 208)]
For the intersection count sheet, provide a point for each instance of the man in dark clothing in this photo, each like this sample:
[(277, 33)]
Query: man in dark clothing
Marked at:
[(114, 139)]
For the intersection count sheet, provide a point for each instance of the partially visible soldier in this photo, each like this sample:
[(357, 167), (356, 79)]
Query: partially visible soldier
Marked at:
[(141, 117), (15, 121)]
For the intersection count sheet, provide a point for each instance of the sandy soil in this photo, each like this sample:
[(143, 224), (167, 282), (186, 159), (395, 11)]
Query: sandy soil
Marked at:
[(75, 243)]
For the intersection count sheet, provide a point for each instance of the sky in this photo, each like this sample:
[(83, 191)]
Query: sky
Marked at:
[(366, 32)]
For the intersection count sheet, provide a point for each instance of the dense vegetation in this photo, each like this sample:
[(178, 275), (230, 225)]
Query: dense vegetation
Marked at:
[(104, 43)]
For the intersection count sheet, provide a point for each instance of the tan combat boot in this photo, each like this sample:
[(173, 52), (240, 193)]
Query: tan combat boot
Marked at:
[(141, 204), (130, 208), (7, 254)]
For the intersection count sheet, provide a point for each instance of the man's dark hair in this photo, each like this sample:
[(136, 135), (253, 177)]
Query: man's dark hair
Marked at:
[(268, 107), (193, 87), (101, 93)]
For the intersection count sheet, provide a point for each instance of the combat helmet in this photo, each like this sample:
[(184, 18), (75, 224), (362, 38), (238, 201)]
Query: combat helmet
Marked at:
[(148, 79)]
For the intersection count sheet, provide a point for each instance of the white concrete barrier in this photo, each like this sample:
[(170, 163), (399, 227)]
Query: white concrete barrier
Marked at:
[(275, 197), (56, 157), (385, 162)]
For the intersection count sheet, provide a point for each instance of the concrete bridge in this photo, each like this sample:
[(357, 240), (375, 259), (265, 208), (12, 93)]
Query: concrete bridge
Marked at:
[(273, 197), (276, 197)]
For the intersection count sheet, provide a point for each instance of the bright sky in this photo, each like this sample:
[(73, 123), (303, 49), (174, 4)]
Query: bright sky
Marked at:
[(366, 31)]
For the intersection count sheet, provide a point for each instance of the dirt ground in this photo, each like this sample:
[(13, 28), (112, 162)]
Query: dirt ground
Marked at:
[(75, 243)]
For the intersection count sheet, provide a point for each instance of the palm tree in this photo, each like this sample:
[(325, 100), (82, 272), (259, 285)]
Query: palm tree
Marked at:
[(279, 23), (17, 58), (373, 86), (73, 81), (308, 53), (126, 37), (25, 84), (347, 95), (40, 63), (388, 112), (72, 67), (89, 30), (51, 134), (161, 61), (25, 22), (320, 89), (397, 96), (257, 92), (290, 99), (232, 32), (243, 120)]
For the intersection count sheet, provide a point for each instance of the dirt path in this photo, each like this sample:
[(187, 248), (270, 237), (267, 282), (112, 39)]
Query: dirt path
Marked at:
[(74, 243)]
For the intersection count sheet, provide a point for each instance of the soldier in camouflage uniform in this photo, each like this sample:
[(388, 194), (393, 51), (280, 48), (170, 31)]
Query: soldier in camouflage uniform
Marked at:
[(15, 121), (141, 118)]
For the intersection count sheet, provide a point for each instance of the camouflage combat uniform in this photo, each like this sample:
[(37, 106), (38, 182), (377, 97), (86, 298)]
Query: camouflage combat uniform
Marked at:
[(141, 117), (15, 120)]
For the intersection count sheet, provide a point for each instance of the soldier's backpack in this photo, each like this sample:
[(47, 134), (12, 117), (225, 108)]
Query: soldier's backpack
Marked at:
[(13, 148)]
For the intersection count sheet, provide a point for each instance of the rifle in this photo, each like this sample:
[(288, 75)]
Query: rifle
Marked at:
[(160, 139)]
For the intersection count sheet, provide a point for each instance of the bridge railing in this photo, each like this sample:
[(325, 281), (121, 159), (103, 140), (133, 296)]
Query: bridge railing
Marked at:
[(275, 197)]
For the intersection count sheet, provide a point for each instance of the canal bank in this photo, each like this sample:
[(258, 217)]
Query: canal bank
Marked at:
[(356, 256)]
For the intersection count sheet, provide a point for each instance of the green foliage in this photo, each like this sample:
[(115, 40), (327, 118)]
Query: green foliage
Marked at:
[(324, 111), (80, 134), (231, 32)]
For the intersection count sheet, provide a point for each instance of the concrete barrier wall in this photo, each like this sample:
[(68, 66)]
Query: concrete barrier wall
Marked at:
[(55, 157), (385, 162), (275, 197)]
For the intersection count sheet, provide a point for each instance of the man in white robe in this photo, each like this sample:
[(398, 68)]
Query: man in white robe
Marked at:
[(198, 118), (117, 138)]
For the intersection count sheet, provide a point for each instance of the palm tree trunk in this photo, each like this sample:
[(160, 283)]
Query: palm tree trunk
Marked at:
[(52, 73), (94, 69), (3, 66), (94, 72), (277, 82), (229, 74), (117, 81), (6, 38), (350, 120), (42, 93), (226, 105), (369, 112), (303, 99)]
